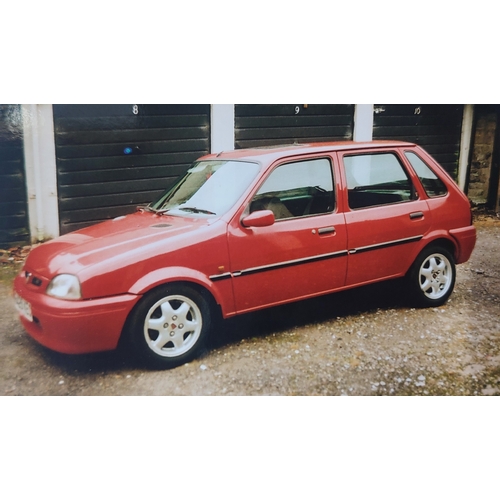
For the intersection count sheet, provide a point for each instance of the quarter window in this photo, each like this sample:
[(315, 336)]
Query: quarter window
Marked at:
[(297, 190), (376, 179), (430, 181)]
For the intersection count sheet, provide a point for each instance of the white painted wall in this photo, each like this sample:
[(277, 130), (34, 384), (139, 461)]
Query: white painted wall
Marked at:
[(40, 164), (363, 122), (222, 127)]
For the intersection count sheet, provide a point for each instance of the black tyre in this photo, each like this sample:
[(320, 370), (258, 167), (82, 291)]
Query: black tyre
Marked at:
[(170, 326), (432, 277)]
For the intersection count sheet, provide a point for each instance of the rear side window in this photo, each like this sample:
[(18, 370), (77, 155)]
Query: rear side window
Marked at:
[(432, 184), (376, 179)]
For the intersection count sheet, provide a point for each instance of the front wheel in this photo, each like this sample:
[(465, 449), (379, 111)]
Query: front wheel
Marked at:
[(432, 277), (170, 326)]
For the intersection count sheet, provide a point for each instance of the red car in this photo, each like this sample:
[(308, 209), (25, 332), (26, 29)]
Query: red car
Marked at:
[(244, 230)]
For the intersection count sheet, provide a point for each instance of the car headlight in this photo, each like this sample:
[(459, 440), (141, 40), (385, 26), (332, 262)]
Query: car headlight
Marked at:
[(65, 286)]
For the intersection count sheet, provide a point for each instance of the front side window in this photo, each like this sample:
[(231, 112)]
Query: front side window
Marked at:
[(376, 179), (208, 188), (297, 189), (432, 184)]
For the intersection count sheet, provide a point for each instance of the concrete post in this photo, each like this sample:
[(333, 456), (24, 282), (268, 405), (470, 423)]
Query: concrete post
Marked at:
[(41, 176), (465, 145), (222, 127), (363, 122)]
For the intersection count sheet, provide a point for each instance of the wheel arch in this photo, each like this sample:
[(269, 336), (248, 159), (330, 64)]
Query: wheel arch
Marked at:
[(180, 276), (439, 240), (445, 243)]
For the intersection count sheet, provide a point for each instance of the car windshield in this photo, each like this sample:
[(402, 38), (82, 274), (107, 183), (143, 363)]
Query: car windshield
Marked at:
[(208, 188)]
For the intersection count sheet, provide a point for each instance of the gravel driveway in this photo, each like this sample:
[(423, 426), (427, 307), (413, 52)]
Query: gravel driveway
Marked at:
[(368, 341)]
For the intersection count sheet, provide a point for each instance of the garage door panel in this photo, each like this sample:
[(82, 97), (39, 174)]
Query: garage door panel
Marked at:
[(148, 172), (12, 220), (128, 201), (287, 132), (130, 122), (11, 167), (284, 121), (143, 148), (10, 153), (118, 162), (124, 136), (111, 158), (273, 124), (10, 194), (427, 131), (412, 119), (14, 224), (13, 236), (12, 208), (281, 141), (285, 109), (116, 187), (435, 127)]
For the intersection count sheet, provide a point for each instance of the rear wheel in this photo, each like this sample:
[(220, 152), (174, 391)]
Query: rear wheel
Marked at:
[(432, 277), (170, 326)]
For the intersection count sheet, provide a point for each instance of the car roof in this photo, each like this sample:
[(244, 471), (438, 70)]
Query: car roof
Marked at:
[(270, 153)]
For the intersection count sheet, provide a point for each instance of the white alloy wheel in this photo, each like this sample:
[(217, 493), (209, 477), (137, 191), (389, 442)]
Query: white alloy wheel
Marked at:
[(172, 326), (435, 276), (432, 277)]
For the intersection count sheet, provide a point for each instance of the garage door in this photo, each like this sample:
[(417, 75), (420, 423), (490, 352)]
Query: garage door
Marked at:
[(13, 202), (111, 158), (435, 127), (271, 124)]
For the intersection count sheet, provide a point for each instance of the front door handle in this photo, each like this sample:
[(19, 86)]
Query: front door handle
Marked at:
[(416, 215)]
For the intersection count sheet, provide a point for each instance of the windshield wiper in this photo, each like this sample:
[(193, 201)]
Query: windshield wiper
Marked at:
[(195, 210), (154, 210)]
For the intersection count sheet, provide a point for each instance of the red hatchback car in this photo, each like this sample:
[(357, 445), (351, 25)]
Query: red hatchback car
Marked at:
[(244, 230)]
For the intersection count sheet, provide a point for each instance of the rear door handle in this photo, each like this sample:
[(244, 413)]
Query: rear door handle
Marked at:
[(416, 215), (326, 230)]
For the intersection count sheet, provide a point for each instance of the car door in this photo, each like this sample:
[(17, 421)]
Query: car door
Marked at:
[(385, 216), (303, 253)]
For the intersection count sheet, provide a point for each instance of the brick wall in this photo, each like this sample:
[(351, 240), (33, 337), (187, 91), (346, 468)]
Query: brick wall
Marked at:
[(480, 172)]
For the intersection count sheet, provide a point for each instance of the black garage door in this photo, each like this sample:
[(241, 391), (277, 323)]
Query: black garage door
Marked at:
[(111, 158), (13, 201), (435, 127), (271, 124)]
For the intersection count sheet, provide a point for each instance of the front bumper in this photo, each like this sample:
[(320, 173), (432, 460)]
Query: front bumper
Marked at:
[(74, 327)]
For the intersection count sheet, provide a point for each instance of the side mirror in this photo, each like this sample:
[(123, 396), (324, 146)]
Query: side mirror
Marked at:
[(260, 218)]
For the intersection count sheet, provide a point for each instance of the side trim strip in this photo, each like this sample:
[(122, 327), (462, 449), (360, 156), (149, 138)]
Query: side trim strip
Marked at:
[(388, 244), (219, 277), (278, 265), (281, 265), (317, 258)]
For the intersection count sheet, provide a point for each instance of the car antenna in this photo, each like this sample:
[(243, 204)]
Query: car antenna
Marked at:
[(218, 154)]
